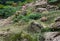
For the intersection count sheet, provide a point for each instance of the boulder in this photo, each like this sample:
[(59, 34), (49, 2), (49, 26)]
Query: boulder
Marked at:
[(5, 33), (52, 36), (43, 19), (52, 7), (41, 10), (57, 19), (35, 27), (57, 38), (1, 33), (56, 25), (40, 3)]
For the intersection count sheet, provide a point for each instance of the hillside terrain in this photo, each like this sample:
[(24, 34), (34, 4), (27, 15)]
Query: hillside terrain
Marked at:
[(30, 20)]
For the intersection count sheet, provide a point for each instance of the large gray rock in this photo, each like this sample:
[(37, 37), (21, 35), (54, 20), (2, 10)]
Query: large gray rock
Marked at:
[(57, 19), (52, 36), (56, 25), (41, 10), (35, 27), (57, 38), (41, 3), (52, 7), (5, 33)]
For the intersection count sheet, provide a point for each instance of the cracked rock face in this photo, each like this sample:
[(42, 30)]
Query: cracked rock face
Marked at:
[(57, 38), (57, 19), (52, 36), (56, 25), (41, 9), (35, 26)]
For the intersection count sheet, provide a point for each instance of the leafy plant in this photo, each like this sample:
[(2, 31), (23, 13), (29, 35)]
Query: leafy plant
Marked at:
[(7, 11), (26, 19), (1, 6), (34, 16), (52, 1), (9, 2)]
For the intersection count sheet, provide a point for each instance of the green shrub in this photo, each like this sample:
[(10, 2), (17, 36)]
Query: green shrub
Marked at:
[(7, 11), (21, 3), (1, 6), (29, 0), (34, 16), (21, 17), (47, 29), (52, 0), (26, 19), (9, 2)]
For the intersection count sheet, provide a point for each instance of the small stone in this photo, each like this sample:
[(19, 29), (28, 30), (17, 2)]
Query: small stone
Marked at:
[(43, 19)]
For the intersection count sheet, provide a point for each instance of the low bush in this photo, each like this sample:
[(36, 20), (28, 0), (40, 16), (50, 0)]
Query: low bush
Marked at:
[(52, 1), (9, 2), (34, 16), (27, 17), (7, 11), (1, 6)]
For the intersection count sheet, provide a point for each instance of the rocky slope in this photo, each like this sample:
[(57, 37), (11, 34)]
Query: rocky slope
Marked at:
[(44, 27)]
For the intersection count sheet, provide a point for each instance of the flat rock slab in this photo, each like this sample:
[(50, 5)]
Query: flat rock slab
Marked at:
[(52, 36)]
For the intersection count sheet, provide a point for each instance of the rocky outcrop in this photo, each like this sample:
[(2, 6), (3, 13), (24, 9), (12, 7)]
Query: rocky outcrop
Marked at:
[(52, 7), (41, 10), (35, 27), (52, 36), (41, 3), (57, 19), (57, 38), (56, 25), (5, 33)]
